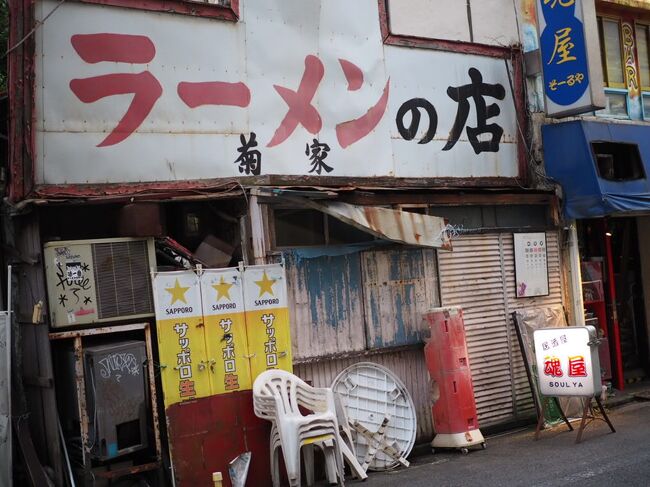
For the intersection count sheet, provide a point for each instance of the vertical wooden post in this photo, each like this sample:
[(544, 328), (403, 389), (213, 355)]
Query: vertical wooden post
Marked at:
[(259, 230)]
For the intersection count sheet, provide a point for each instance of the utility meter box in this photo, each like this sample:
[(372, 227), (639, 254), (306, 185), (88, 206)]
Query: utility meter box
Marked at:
[(116, 398), (98, 281)]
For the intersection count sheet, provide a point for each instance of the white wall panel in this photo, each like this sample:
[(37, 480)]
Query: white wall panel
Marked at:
[(434, 19), (265, 51)]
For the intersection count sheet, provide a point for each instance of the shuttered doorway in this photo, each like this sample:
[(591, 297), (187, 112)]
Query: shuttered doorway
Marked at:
[(479, 276)]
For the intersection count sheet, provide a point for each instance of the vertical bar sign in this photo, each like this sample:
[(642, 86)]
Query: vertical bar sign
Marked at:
[(267, 318), (570, 53), (222, 295), (181, 342)]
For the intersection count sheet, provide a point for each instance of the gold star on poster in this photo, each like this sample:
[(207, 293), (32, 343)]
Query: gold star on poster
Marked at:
[(266, 285), (177, 292), (223, 289)]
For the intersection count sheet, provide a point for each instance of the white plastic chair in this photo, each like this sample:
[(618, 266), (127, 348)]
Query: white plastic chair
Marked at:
[(278, 397)]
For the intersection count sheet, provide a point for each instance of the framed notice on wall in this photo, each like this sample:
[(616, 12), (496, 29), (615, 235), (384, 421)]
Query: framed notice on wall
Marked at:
[(531, 267)]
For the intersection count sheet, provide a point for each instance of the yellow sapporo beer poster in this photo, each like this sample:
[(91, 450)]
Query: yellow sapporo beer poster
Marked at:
[(181, 341), (222, 292), (219, 331), (267, 318)]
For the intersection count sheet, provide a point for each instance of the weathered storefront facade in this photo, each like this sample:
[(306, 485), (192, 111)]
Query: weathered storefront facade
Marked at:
[(600, 161), (267, 132)]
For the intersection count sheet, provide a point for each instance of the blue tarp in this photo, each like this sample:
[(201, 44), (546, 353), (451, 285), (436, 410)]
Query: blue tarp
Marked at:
[(570, 162)]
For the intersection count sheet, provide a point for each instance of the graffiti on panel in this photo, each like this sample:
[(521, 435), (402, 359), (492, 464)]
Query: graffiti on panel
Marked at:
[(74, 287), (117, 364)]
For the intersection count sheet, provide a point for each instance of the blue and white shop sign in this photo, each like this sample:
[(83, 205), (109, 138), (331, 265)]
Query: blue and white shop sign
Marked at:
[(570, 54)]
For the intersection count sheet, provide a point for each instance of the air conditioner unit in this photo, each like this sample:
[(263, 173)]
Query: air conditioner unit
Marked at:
[(98, 281)]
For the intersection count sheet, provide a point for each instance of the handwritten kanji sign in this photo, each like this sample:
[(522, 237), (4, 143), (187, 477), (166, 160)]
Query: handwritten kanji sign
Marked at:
[(567, 361), (121, 100)]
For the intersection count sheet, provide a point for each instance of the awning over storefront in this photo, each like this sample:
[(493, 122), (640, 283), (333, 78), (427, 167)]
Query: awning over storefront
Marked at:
[(603, 167)]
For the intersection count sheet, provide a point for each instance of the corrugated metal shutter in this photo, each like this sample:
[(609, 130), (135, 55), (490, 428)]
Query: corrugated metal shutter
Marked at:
[(479, 276)]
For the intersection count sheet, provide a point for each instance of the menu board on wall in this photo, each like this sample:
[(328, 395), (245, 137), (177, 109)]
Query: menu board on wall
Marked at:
[(531, 266)]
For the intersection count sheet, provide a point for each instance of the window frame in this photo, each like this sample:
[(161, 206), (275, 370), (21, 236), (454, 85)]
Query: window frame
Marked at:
[(646, 27), (193, 8), (603, 51)]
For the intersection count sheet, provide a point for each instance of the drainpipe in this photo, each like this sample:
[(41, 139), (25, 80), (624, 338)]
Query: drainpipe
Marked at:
[(577, 304)]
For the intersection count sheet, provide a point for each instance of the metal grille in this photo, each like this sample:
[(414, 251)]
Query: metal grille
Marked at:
[(479, 276), (122, 278)]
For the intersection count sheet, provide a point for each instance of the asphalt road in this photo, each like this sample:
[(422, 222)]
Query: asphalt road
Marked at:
[(602, 459)]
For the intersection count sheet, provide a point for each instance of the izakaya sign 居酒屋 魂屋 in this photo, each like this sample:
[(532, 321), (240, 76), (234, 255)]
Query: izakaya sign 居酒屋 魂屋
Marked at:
[(567, 361), (310, 94), (219, 331)]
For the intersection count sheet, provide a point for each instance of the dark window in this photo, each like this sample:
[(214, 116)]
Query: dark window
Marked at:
[(295, 228), (618, 161), (302, 228), (490, 218)]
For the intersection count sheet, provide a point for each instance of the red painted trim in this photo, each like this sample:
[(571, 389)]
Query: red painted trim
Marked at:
[(615, 336), (383, 19), (15, 108), (206, 187), (452, 46), (21, 99), (183, 7)]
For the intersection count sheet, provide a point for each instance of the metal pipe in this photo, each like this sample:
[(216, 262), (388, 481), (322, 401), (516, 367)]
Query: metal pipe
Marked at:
[(577, 302), (619, 380)]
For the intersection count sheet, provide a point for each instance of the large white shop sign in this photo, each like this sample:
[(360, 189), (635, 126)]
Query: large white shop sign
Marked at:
[(567, 361), (294, 88)]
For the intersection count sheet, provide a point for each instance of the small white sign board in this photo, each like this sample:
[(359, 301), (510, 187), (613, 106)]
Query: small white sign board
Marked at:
[(567, 364), (531, 267)]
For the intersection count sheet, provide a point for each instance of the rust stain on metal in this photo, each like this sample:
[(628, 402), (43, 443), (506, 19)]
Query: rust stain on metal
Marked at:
[(152, 391), (394, 225), (80, 383)]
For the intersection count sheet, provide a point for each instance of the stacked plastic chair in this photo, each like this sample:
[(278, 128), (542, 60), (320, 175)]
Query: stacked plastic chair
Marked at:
[(278, 397)]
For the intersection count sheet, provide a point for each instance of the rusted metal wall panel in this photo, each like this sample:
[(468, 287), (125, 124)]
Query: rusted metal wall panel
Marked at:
[(394, 225), (479, 276), (400, 285), (326, 304), (408, 365)]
